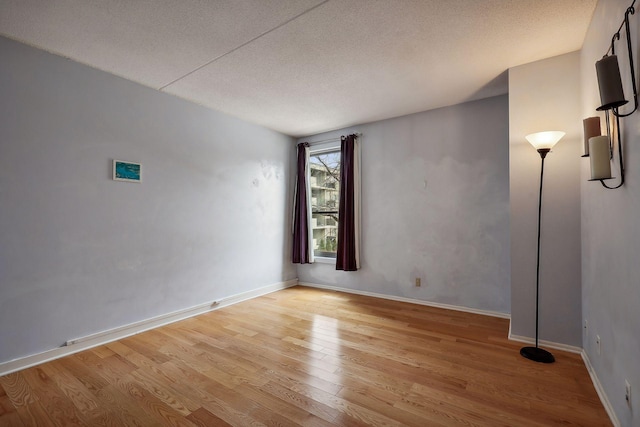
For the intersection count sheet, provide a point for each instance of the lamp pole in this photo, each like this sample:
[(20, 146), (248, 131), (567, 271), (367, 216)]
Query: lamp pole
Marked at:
[(536, 353)]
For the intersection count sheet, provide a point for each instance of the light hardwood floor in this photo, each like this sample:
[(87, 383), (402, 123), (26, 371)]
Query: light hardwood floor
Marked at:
[(304, 356)]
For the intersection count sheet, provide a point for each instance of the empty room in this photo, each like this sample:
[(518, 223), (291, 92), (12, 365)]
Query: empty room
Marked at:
[(319, 213)]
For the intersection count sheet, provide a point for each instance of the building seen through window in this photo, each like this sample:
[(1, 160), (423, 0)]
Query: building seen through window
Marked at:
[(325, 198)]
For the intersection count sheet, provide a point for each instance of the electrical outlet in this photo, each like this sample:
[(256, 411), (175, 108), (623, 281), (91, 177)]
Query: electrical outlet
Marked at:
[(418, 282), (627, 392), (598, 344)]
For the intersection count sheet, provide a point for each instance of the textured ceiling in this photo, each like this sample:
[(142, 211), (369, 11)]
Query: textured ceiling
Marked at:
[(306, 66)]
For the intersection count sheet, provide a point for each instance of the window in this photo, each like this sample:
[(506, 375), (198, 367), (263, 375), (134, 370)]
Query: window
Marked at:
[(324, 170), (326, 210)]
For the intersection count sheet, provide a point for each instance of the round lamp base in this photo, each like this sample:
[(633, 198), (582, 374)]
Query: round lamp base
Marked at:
[(537, 354)]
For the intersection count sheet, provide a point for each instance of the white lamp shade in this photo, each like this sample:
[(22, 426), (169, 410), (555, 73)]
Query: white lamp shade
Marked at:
[(544, 140)]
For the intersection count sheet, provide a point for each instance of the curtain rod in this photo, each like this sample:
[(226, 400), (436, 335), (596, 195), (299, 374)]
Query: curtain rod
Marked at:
[(332, 139)]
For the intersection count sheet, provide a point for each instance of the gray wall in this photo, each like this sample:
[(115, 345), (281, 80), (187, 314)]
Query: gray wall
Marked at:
[(81, 253), (544, 95), (611, 232), (452, 232)]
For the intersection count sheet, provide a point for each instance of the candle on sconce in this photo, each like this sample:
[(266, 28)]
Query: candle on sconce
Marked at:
[(599, 157), (591, 126)]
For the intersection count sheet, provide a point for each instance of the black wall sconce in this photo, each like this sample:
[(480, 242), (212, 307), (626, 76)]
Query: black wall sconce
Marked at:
[(599, 148)]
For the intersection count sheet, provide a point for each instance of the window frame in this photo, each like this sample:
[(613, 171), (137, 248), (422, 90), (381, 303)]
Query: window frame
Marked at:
[(314, 150)]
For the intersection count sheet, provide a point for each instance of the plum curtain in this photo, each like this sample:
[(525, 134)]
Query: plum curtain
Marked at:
[(348, 256), (302, 251)]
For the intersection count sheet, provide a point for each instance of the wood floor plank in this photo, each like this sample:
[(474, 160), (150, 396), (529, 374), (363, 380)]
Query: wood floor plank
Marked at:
[(112, 368), (34, 414), (131, 355), (465, 406), (299, 400), (296, 416), (78, 369), (377, 400), (8, 413), (204, 418), (81, 397), (59, 408), (121, 409), (154, 384), (308, 357), (17, 389)]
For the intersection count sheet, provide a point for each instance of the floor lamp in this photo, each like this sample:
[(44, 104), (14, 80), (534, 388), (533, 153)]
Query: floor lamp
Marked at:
[(543, 142)]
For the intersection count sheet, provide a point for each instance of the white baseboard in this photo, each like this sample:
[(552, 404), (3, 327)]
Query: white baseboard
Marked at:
[(144, 325), (409, 300), (83, 343), (600, 390), (545, 343)]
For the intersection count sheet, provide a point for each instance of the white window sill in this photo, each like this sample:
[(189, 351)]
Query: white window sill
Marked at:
[(324, 260)]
